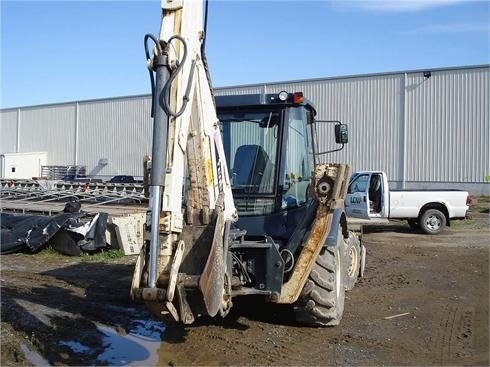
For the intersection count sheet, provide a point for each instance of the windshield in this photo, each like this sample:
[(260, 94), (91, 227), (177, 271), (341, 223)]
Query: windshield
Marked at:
[(250, 144)]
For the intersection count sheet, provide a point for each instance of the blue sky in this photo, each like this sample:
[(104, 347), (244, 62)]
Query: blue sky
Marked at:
[(73, 50)]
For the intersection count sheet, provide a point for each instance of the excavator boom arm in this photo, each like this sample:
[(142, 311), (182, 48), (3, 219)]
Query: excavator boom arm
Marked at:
[(186, 142)]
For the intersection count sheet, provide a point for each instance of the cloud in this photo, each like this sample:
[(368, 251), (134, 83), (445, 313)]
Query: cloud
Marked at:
[(393, 5)]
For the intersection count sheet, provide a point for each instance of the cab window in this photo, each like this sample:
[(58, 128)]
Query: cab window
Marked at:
[(299, 162), (359, 184)]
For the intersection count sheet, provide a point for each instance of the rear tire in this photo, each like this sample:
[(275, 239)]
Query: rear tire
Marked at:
[(321, 302), (432, 221), (352, 260)]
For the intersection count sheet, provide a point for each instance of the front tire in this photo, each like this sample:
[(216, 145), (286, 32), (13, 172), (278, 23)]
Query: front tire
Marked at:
[(321, 302), (432, 221)]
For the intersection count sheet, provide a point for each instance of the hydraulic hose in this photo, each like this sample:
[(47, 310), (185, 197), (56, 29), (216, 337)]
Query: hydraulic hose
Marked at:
[(203, 52), (164, 97), (150, 71), (166, 89)]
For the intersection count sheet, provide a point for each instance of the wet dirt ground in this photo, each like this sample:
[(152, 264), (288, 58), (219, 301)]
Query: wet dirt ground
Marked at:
[(424, 300)]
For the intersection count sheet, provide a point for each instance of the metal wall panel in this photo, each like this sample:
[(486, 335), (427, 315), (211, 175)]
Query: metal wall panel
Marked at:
[(118, 130), (8, 131), (49, 129), (422, 132), (253, 89), (448, 129), (372, 108)]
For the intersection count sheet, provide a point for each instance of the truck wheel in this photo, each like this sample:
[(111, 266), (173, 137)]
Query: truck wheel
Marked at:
[(413, 223), (352, 261), (321, 302), (432, 221)]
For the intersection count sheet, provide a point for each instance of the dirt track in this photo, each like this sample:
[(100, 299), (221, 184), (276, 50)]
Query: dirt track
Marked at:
[(436, 287)]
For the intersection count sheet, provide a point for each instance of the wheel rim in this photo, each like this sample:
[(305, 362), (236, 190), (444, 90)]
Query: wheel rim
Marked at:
[(433, 222), (351, 271)]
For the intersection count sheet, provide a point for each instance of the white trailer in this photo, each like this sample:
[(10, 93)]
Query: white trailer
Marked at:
[(22, 165)]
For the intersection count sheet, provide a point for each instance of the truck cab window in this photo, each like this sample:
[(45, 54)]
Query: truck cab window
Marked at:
[(359, 184)]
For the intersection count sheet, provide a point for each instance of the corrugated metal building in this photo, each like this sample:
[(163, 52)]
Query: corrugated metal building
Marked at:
[(425, 128)]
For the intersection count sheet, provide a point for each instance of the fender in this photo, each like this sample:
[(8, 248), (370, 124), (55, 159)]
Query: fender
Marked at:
[(338, 219), (328, 216)]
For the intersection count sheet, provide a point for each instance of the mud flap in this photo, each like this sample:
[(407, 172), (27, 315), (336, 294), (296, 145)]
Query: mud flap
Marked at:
[(363, 261), (212, 279)]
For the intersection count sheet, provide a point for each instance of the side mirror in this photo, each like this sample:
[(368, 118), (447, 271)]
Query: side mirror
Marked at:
[(341, 134)]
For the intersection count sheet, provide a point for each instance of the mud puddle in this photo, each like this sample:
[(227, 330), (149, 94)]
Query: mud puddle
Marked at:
[(138, 348)]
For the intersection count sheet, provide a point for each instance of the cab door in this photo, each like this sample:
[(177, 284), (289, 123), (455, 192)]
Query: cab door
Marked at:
[(357, 199)]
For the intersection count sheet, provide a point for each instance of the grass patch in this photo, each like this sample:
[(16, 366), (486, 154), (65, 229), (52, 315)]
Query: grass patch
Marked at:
[(480, 204), (103, 255), (48, 252), (468, 224), (484, 199)]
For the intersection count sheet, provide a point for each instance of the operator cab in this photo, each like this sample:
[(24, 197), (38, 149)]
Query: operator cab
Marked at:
[(267, 150), (268, 144)]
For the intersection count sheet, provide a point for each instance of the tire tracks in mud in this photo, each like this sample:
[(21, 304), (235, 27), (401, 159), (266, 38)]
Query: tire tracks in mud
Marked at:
[(255, 343), (454, 339)]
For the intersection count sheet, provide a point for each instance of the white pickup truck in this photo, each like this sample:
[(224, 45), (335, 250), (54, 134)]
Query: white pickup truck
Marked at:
[(369, 198)]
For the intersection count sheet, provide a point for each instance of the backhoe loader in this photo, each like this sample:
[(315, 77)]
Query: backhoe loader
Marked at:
[(239, 203)]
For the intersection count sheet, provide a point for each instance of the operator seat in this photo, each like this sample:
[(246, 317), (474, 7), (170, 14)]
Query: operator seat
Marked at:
[(250, 166)]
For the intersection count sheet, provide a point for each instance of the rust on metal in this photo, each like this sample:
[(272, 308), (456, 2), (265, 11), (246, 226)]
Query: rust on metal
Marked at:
[(150, 294), (329, 199)]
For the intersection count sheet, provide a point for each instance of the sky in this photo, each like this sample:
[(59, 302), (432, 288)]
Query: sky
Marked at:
[(60, 51)]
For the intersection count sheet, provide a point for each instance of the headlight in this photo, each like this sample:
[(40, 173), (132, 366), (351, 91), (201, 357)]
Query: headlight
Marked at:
[(283, 96)]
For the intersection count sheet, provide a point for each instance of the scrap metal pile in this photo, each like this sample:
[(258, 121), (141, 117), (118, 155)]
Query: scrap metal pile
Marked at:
[(35, 213), (44, 191)]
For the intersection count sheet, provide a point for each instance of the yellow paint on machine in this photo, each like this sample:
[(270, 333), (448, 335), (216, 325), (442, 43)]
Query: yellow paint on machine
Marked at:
[(209, 171)]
